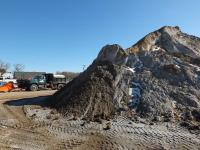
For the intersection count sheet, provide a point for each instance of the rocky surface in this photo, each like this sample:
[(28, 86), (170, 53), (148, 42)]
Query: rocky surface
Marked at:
[(170, 75), (157, 79), (24, 124)]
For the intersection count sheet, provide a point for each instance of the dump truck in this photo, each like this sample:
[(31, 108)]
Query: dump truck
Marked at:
[(44, 81)]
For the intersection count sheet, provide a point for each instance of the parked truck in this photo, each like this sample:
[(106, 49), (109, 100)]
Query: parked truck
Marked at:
[(44, 81)]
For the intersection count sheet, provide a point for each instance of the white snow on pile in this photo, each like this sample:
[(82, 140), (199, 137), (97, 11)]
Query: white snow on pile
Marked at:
[(196, 67), (155, 48), (177, 66), (135, 93), (130, 69)]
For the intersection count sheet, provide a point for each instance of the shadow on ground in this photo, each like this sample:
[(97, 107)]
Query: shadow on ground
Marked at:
[(41, 101)]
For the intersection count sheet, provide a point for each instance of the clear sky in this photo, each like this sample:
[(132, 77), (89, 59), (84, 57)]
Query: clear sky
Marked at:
[(64, 35)]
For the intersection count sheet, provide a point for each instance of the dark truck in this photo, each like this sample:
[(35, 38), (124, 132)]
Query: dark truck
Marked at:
[(44, 81)]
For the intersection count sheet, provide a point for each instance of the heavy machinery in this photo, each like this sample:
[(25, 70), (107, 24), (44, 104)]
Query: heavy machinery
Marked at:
[(44, 81)]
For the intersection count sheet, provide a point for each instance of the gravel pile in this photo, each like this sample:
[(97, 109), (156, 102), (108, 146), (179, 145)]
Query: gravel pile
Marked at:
[(157, 79)]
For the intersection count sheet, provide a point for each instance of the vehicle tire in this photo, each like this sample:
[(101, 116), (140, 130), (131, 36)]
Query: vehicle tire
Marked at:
[(34, 87), (60, 86)]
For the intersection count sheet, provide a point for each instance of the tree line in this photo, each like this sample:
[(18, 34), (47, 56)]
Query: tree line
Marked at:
[(5, 66)]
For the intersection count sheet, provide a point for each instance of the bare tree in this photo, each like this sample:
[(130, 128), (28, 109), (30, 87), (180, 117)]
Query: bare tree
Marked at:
[(18, 67), (4, 67)]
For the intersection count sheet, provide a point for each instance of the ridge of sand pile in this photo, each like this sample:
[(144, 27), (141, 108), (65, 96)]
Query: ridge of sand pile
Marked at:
[(158, 79)]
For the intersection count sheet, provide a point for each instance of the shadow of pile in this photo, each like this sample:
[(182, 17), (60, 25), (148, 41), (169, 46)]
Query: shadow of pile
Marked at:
[(40, 101)]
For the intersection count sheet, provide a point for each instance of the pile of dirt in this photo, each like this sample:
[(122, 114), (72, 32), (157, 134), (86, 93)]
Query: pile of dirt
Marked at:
[(169, 76), (90, 95), (158, 79)]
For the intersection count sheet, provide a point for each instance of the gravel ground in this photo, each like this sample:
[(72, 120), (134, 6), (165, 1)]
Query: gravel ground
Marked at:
[(25, 94), (25, 124)]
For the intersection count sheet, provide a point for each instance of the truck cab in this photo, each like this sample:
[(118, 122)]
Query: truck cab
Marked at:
[(36, 82)]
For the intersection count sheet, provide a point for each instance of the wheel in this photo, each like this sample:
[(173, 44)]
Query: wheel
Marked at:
[(34, 87), (60, 86)]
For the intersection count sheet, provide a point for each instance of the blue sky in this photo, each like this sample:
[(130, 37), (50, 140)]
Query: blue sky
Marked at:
[(64, 35)]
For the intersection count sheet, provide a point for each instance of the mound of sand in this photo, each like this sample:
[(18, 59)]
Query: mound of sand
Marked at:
[(158, 79), (91, 94)]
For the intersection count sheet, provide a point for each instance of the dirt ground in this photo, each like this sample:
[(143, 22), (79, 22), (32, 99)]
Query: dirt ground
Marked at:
[(25, 124), (25, 94)]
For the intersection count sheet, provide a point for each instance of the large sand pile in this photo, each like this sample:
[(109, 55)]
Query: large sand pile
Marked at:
[(91, 94), (158, 78)]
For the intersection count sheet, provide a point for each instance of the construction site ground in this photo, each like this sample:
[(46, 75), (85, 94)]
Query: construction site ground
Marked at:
[(26, 124)]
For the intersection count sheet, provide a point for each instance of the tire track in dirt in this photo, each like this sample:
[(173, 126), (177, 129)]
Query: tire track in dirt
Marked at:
[(120, 131), (129, 133), (32, 140), (19, 131), (18, 114)]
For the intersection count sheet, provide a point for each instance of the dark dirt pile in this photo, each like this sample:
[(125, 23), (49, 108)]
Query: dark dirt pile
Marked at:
[(97, 96), (158, 79), (90, 95)]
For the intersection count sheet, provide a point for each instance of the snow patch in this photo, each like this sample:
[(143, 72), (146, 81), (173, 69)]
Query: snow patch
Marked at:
[(155, 48), (135, 94), (197, 68), (177, 66), (130, 69)]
